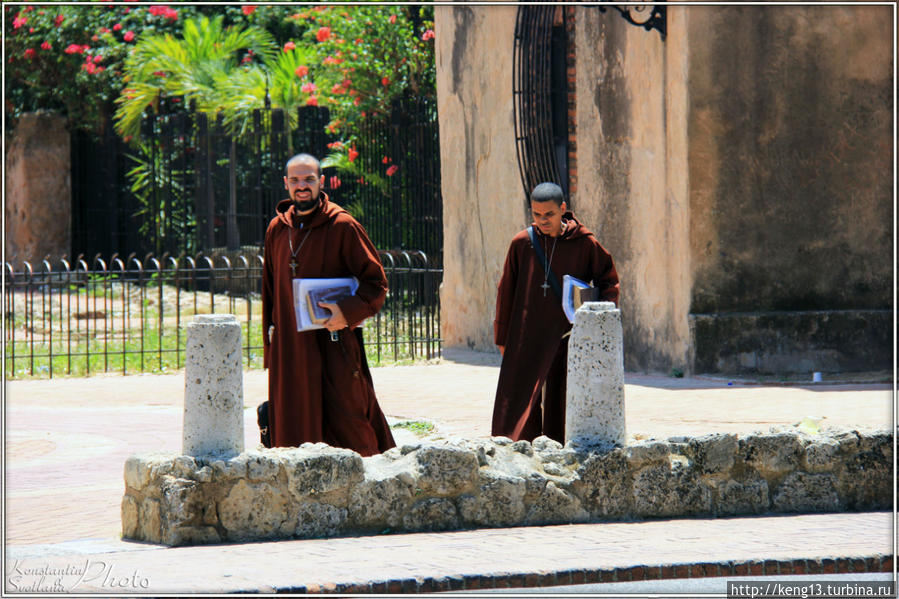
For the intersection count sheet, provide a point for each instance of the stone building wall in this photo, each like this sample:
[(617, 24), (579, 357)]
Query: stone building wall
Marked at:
[(38, 187), (319, 491), (739, 172), (481, 187)]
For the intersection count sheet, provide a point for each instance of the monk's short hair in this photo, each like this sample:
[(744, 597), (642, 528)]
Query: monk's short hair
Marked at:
[(305, 158), (548, 192)]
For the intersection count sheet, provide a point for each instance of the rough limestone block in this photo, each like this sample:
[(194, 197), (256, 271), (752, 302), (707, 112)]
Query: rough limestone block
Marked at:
[(318, 469), (252, 511), (802, 492), (316, 520), (213, 387), (820, 455), (130, 517), (555, 505), (499, 501), (867, 478), (670, 490), (713, 453), (773, 454), (385, 495), (446, 470), (594, 413), (435, 513), (604, 485), (742, 497)]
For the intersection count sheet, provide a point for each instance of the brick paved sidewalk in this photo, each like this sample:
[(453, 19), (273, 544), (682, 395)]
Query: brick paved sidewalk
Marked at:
[(66, 440), (482, 559)]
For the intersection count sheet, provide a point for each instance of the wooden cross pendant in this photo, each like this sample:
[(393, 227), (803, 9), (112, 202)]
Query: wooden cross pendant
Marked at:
[(545, 287), (293, 270)]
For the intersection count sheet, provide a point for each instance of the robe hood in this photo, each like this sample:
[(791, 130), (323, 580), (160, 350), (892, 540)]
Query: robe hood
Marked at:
[(286, 212), (578, 230)]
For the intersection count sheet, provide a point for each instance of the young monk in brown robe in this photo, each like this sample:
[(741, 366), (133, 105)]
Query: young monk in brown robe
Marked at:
[(320, 389), (531, 328)]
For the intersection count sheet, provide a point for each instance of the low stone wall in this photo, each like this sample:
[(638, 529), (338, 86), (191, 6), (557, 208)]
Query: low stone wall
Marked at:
[(320, 491)]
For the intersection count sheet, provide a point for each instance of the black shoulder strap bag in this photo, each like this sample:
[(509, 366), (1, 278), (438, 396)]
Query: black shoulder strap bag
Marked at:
[(541, 257)]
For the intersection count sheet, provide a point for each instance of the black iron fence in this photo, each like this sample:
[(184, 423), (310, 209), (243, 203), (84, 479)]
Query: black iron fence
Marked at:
[(191, 186), (128, 315)]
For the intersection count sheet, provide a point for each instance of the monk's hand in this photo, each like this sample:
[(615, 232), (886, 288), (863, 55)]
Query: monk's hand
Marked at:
[(337, 320)]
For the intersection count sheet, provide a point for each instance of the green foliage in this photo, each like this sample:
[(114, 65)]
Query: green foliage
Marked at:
[(419, 427), (196, 67), (69, 58)]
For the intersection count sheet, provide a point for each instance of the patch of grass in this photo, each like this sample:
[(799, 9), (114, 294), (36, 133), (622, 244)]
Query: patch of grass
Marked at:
[(419, 427)]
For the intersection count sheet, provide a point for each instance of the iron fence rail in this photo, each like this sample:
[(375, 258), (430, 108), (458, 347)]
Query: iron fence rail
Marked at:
[(128, 315)]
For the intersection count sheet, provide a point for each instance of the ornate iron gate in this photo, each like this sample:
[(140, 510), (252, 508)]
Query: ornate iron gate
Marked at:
[(540, 93)]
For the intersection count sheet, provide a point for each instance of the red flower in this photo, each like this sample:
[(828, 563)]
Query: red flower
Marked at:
[(289, 46), (312, 101), (159, 74), (117, 27), (248, 10), (337, 89), (393, 169), (46, 46), (353, 154), (98, 58), (164, 11), (385, 81), (58, 20), (357, 102), (385, 160), (428, 35), (75, 49), (392, 19), (332, 60), (308, 88), (29, 53), (335, 144), (129, 35), (335, 181), (19, 21), (302, 71), (323, 34)]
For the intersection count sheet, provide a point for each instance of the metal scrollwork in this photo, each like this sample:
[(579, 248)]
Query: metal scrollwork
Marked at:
[(647, 16)]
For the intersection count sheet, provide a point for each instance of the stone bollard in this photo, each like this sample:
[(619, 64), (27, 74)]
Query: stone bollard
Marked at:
[(594, 413), (213, 387)]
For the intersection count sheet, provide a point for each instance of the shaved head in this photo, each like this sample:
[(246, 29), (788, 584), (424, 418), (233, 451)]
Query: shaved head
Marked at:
[(304, 159), (548, 192)]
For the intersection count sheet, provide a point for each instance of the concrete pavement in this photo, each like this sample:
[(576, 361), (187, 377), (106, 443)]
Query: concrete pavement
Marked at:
[(66, 441)]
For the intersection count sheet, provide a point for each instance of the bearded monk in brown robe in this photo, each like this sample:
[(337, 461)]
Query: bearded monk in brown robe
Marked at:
[(530, 327), (320, 389)]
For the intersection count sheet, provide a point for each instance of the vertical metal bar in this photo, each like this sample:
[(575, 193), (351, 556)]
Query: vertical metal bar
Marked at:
[(176, 265), (49, 303)]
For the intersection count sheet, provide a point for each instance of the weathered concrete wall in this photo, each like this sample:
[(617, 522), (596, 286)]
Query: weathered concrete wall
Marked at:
[(319, 491), (790, 163), (791, 157), (38, 189), (482, 198), (632, 176), (741, 166)]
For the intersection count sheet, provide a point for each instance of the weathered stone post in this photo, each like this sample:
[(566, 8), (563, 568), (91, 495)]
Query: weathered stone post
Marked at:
[(594, 414), (213, 387)]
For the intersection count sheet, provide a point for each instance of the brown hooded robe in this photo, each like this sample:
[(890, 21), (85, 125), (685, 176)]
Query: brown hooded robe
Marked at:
[(318, 389), (530, 327)]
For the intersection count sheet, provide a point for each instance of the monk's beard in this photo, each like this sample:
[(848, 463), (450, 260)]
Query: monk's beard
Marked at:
[(306, 205)]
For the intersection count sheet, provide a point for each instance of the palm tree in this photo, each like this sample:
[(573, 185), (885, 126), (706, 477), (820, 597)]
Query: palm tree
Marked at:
[(200, 67)]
